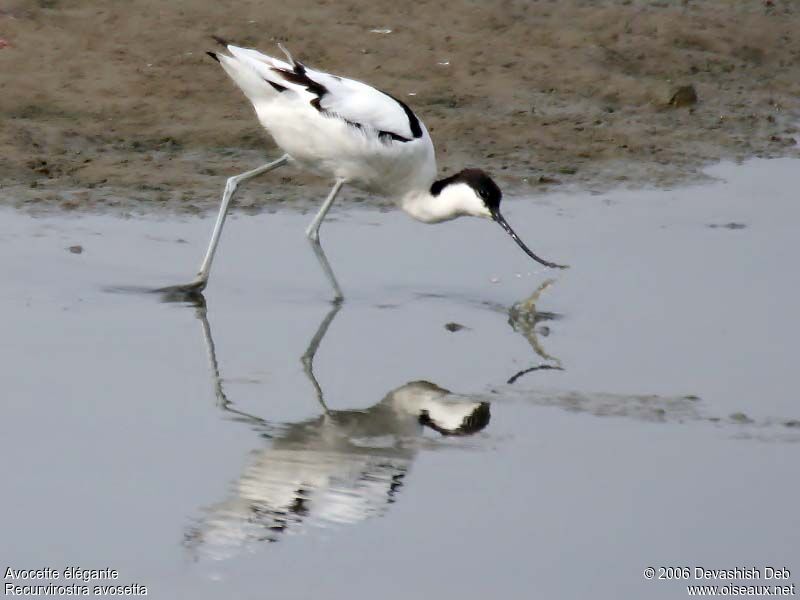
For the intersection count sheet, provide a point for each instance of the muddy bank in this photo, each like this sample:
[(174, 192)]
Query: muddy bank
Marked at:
[(110, 104)]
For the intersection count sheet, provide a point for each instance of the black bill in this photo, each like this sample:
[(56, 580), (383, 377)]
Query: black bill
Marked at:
[(502, 222)]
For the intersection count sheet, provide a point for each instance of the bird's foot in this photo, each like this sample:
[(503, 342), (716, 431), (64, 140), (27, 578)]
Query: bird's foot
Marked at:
[(188, 292)]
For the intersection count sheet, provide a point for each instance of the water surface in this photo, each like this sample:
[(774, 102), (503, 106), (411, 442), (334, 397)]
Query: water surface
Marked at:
[(652, 418)]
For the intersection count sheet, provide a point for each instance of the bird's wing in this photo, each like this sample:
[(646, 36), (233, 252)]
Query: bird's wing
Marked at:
[(366, 106), (353, 101)]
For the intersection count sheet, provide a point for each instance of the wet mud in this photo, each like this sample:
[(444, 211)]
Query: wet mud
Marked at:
[(545, 95)]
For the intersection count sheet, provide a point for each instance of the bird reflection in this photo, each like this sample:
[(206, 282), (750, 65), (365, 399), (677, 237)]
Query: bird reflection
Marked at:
[(341, 467)]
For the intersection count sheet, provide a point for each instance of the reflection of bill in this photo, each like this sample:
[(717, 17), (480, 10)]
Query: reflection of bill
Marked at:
[(339, 468)]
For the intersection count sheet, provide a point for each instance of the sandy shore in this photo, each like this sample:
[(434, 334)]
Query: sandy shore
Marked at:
[(114, 104)]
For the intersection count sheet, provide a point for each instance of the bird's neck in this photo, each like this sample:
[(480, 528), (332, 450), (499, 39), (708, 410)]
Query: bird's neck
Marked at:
[(423, 206)]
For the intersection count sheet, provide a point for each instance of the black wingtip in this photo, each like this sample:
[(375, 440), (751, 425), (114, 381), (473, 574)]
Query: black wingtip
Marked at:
[(220, 41), (213, 55)]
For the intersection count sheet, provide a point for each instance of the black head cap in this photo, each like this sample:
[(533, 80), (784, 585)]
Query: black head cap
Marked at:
[(479, 181)]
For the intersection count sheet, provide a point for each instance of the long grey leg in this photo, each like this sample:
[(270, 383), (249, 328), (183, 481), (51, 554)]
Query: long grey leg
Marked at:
[(230, 187), (313, 230)]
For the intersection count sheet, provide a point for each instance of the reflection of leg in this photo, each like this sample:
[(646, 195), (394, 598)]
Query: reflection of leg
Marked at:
[(313, 229), (326, 268), (308, 358), (201, 311)]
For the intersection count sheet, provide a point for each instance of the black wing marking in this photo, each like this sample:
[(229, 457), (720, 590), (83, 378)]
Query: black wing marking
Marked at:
[(299, 76), (413, 121), (275, 86)]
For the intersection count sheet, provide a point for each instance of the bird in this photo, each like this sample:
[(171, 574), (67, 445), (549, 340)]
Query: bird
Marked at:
[(340, 466), (355, 134)]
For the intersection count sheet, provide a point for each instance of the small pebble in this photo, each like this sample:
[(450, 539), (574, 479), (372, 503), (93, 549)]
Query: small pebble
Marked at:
[(684, 96), (544, 179), (740, 417)]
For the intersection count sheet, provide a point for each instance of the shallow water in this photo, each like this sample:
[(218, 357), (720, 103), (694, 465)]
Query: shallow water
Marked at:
[(188, 448)]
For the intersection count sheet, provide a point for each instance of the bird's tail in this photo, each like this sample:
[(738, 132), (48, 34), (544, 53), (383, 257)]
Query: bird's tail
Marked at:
[(246, 73)]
